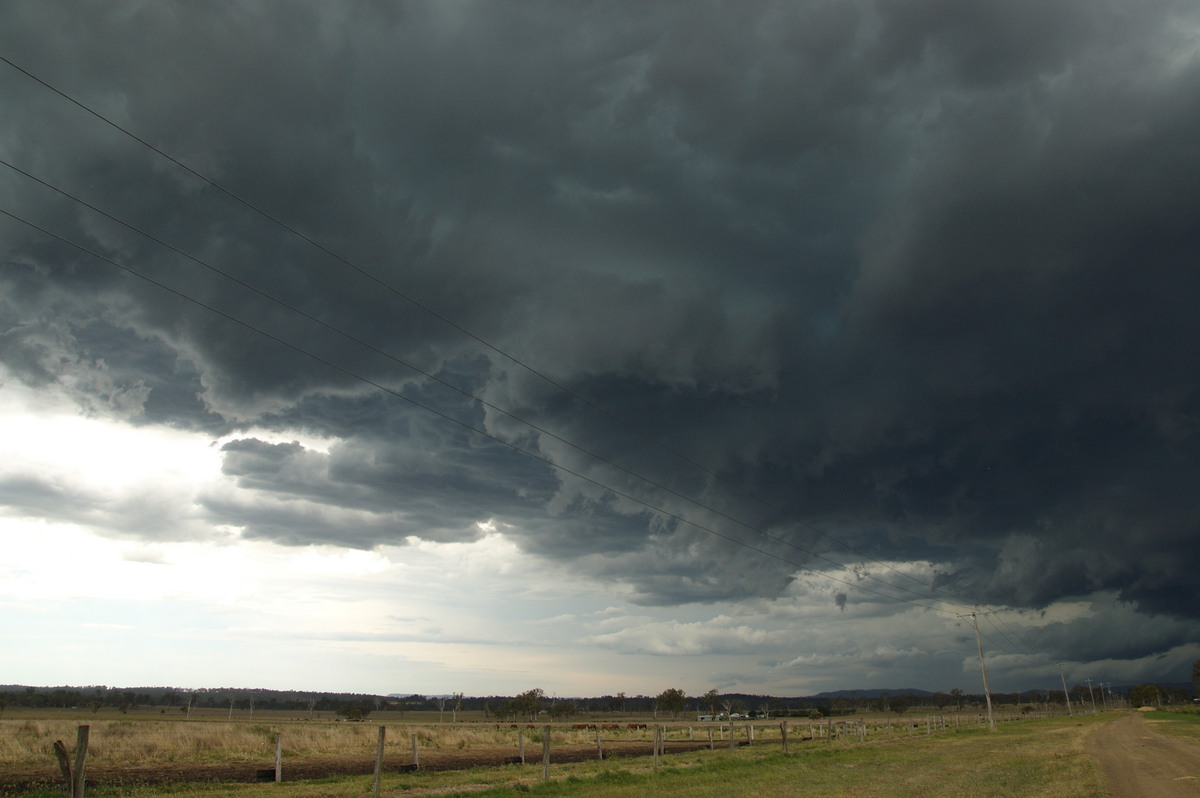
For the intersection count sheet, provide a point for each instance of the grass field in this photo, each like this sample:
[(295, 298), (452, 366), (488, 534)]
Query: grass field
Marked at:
[(1179, 722), (1029, 757)]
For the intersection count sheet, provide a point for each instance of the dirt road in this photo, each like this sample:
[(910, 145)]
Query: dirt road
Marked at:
[(1140, 763)]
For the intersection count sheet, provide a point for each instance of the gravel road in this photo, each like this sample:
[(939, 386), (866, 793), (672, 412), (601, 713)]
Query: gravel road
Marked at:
[(1140, 763)]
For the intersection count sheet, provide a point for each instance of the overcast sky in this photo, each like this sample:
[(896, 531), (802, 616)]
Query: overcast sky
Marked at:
[(599, 346)]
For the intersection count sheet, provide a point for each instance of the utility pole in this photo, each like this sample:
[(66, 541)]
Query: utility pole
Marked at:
[(1091, 695), (1065, 693), (987, 693)]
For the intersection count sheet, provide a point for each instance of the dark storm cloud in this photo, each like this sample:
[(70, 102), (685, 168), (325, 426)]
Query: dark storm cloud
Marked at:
[(920, 274)]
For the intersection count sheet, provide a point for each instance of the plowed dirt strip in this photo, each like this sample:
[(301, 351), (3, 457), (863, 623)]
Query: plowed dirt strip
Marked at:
[(1140, 763), (297, 769)]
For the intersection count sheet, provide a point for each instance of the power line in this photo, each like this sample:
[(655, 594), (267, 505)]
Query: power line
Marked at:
[(446, 320), (1015, 638)]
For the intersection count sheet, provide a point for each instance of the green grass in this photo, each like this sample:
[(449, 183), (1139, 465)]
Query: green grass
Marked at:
[(1037, 757), (1183, 722)]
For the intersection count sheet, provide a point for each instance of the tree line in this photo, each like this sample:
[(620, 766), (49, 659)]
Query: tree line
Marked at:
[(534, 702)]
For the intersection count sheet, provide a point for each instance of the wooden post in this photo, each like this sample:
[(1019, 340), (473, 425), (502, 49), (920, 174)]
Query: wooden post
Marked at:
[(521, 745), (416, 759), (732, 736), (545, 753), (657, 732), (378, 762), (81, 751), (599, 747), (64, 764), (278, 757), (783, 735), (710, 738)]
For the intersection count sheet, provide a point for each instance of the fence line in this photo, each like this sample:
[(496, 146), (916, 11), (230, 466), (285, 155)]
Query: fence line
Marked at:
[(607, 739)]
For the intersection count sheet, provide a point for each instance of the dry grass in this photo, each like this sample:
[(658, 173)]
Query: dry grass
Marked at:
[(1044, 758), (130, 742)]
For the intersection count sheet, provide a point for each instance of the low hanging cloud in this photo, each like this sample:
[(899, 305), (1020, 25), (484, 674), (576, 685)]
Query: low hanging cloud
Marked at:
[(923, 275)]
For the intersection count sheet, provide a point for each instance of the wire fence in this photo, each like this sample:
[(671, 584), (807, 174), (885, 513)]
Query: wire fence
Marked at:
[(35, 752)]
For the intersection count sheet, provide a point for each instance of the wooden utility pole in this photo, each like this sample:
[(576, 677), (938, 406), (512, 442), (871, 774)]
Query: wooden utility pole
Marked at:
[(987, 693), (1065, 693)]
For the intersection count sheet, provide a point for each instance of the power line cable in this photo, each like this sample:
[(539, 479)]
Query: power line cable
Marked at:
[(1015, 638), (446, 320)]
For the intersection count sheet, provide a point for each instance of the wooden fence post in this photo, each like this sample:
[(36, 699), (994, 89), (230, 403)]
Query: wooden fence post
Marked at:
[(710, 738), (64, 764), (657, 736), (81, 751), (599, 747), (416, 760), (378, 762), (732, 736), (521, 745), (545, 753), (278, 757), (783, 735)]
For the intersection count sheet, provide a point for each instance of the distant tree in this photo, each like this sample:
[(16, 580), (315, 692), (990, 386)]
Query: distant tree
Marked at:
[(710, 700), (355, 710), (1144, 695), (617, 703), (562, 709), (957, 695), (456, 707), (1196, 675), (672, 700), (529, 703), (898, 704), (441, 705)]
